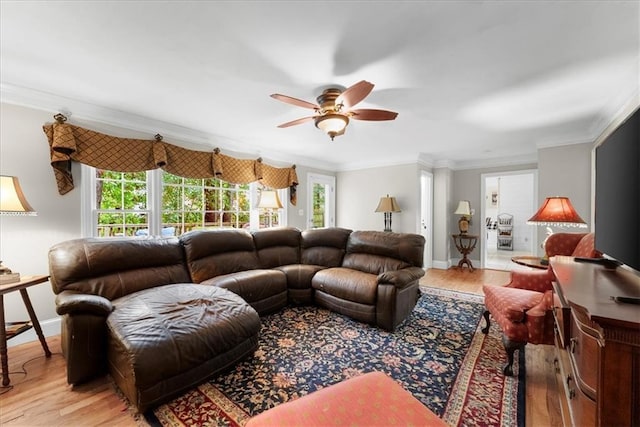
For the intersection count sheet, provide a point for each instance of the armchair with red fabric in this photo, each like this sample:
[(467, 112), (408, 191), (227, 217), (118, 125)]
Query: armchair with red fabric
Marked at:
[(523, 307)]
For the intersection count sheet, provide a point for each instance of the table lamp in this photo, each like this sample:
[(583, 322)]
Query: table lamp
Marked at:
[(12, 202), (556, 211), (269, 200), (388, 205), (464, 209)]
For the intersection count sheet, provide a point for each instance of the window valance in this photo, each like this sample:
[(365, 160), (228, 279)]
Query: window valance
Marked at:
[(69, 143)]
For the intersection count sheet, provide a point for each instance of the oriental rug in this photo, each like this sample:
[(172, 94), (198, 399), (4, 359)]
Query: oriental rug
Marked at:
[(438, 354)]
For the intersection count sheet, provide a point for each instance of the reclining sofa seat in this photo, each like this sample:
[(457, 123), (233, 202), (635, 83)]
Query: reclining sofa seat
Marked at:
[(128, 306), (377, 281)]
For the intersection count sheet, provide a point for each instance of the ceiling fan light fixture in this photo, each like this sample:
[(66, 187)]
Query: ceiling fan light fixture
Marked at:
[(332, 124)]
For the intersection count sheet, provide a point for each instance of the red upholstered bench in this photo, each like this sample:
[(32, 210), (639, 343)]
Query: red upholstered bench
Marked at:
[(372, 399)]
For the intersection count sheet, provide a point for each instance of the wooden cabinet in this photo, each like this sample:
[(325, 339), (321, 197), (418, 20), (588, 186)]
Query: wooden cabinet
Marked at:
[(597, 344)]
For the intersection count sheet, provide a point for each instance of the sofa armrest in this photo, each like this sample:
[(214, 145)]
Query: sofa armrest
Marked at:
[(401, 278), (534, 280), (69, 302)]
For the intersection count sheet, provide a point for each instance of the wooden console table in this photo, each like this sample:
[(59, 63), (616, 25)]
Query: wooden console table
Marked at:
[(465, 243), (597, 344), (24, 283)]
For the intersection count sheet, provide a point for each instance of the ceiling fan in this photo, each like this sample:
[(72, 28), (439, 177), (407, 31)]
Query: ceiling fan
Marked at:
[(334, 108)]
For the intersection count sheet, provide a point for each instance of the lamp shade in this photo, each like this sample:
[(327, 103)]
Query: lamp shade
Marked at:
[(464, 208), (12, 200), (388, 204), (332, 124), (269, 200), (557, 211)]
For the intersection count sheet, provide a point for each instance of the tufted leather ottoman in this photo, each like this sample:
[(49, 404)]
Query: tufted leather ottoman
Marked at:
[(165, 340), (372, 399)]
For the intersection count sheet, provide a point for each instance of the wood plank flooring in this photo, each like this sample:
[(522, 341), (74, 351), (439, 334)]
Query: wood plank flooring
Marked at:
[(42, 397)]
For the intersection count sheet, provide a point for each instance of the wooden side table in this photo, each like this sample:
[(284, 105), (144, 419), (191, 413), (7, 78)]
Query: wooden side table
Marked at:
[(465, 243), (22, 285), (530, 261)]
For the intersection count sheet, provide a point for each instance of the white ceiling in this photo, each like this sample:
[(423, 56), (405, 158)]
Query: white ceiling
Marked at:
[(472, 81)]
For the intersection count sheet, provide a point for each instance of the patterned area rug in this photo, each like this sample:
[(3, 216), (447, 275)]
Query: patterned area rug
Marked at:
[(439, 354)]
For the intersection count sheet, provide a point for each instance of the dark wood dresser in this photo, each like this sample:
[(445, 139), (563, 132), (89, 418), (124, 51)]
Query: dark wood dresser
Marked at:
[(597, 344)]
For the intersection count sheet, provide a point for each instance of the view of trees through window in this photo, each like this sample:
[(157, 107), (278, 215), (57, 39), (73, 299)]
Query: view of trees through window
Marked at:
[(123, 204)]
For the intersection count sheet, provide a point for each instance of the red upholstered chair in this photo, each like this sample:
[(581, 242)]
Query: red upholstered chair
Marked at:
[(523, 306)]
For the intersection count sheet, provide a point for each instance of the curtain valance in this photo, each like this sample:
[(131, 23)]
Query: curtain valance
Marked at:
[(69, 143)]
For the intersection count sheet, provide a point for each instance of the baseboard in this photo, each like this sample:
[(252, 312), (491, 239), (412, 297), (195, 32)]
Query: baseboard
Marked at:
[(441, 265), (50, 327)]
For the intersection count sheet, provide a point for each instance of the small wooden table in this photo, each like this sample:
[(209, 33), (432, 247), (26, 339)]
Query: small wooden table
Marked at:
[(465, 243), (22, 285), (530, 261)]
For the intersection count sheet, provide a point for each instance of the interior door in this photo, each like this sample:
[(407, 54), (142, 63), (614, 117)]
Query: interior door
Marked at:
[(321, 201)]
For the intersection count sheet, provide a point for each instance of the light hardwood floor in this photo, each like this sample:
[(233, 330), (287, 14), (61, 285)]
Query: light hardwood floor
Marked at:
[(42, 396)]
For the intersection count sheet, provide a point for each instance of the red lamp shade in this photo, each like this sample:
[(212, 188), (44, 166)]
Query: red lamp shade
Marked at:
[(557, 211)]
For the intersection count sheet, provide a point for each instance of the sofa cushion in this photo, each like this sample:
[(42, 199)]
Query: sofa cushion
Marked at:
[(376, 252), (324, 246), (277, 246), (264, 290), (114, 267), (214, 253), (347, 284), (510, 303)]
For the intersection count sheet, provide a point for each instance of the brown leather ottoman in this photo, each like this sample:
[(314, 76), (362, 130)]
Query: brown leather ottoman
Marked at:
[(372, 399), (168, 339)]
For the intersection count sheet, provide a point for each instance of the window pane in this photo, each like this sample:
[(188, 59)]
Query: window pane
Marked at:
[(135, 176), (109, 194), (171, 197), (168, 178), (193, 199), (135, 195)]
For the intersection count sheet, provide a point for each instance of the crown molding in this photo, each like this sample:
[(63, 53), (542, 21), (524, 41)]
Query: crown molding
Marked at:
[(84, 112)]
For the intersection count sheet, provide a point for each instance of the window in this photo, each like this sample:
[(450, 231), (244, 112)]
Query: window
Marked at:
[(121, 203), (159, 203), (196, 203)]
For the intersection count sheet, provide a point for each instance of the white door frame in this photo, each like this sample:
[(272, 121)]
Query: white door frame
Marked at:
[(483, 191), (425, 226), (330, 202)]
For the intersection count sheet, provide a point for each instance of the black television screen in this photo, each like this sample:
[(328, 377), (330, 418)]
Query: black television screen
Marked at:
[(617, 193)]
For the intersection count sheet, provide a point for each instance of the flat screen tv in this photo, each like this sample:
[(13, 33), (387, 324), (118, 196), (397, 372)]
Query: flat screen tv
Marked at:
[(617, 193)]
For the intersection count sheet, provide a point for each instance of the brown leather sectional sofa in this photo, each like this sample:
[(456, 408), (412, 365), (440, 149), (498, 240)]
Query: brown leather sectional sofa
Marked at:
[(162, 315)]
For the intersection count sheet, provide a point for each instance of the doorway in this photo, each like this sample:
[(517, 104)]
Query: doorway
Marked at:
[(510, 195), (321, 201)]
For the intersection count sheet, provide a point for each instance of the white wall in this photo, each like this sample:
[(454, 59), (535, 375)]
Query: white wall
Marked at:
[(297, 215), (358, 193), (25, 241), (566, 171)]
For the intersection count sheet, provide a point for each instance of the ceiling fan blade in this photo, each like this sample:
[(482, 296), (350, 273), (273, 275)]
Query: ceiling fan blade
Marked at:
[(354, 94), (296, 122), (295, 101), (371, 114)]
